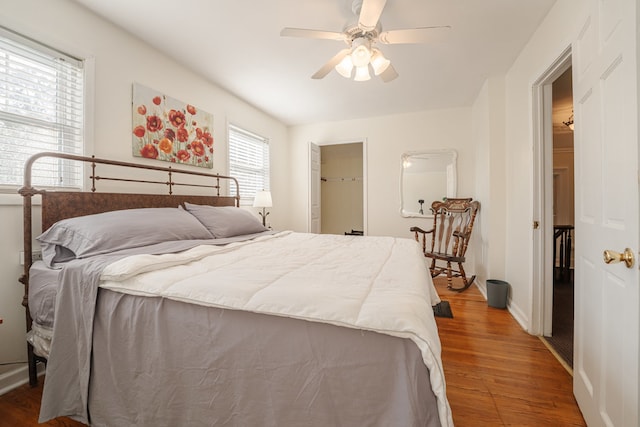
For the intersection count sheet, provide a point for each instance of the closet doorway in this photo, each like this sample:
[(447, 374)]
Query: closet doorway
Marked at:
[(342, 188)]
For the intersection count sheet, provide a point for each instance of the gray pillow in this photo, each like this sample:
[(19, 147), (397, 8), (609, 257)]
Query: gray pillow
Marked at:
[(226, 221), (89, 235)]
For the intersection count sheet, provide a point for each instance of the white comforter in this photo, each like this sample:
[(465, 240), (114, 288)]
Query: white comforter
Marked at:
[(373, 283)]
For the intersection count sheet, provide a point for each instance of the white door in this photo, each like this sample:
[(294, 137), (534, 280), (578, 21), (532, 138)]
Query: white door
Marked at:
[(314, 188), (606, 155)]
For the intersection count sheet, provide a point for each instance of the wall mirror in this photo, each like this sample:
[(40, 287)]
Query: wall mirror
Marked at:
[(426, 176)]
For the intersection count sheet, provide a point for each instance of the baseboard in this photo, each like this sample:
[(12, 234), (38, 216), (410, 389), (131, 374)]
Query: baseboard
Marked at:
[(17, 377), (513, 308)]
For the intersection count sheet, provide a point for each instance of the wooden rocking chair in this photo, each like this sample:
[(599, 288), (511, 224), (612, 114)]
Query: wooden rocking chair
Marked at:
[(452, 225)]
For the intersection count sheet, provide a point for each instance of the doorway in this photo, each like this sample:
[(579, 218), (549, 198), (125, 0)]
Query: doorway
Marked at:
[(563, 208), (338, 187), (553, 200), (341, 189)]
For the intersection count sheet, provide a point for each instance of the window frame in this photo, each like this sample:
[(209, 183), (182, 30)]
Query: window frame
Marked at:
[(85, 144), (246, 199)]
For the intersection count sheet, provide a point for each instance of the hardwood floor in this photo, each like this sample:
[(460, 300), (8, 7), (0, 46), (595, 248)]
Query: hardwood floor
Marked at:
[(497, 374), (20, 407)]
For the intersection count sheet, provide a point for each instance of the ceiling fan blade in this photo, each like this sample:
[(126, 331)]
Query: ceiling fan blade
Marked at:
[(311, 34), (389, 74), (326, 68), (370, 14), (410, 35)]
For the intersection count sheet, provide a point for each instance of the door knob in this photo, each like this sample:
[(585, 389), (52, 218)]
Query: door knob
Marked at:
[(613, 257)]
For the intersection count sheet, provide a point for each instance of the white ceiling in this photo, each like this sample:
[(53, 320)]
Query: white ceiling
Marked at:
[(237, 45)]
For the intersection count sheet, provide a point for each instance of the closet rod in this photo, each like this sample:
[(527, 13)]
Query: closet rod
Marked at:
[(341, 179)]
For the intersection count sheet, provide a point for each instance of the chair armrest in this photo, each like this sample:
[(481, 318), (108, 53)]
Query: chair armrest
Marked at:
[(420, 230), (461, 234)]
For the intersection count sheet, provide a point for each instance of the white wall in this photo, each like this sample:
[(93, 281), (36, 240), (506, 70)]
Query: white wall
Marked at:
[(387, 138), (488, 117), (120, 60), (558, 30)]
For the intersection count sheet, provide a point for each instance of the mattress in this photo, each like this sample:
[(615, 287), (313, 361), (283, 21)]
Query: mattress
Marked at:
[(43, 287)]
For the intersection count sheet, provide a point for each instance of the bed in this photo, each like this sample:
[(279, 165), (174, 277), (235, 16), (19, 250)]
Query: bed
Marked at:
[(184, 310)]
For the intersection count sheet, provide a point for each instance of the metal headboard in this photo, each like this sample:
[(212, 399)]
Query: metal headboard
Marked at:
[(57, 205)]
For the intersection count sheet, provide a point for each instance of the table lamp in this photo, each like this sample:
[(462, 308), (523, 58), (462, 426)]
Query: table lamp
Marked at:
[(263, 200)]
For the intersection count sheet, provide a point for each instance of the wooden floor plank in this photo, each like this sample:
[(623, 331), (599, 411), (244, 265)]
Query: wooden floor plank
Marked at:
[(496, 373)]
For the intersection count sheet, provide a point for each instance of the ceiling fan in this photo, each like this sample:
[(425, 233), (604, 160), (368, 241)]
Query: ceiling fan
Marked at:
[(361, 38)]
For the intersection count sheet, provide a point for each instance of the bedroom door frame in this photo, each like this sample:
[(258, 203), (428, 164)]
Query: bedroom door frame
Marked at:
[(314, 182), (542, 301)]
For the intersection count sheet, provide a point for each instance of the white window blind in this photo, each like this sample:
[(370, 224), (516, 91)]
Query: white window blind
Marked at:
[(248, 163), (41, 109)]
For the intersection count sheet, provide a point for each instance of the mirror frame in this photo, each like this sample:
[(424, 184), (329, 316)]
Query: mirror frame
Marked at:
[(452, 186)]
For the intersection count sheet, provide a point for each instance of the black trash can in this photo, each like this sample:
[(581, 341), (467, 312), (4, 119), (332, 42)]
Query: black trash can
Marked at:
[(497, 292)]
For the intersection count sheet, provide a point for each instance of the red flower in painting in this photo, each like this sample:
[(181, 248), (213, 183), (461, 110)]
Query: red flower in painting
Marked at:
[(197, 148), (154, 123), (165, 145), (207, 139), (183, 155), (182, 134), (170, 134), (191, 109), (149, 151), (176, 118), (142, 110), (157, 100), (139, 131)]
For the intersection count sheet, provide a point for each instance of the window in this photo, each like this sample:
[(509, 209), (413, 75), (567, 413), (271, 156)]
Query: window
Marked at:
[(248, 162), (41, 109)]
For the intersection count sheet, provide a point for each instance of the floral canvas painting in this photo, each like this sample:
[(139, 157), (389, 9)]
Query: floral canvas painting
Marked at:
[(170, 130)]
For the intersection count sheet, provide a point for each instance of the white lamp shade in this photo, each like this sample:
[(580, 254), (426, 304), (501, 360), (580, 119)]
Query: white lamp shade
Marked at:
[(345, 67), (378, 62), (362, 74), (262, 199), (360, 52)]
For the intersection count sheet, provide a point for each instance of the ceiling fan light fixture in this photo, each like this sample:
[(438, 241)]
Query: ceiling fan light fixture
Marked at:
[(345, 67), (362, 73), (378, 62), (361, 52)]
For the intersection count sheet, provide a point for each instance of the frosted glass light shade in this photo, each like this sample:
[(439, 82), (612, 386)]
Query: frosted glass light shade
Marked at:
[(361, 52), (345, 67), (378, 62), (362, 74)]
